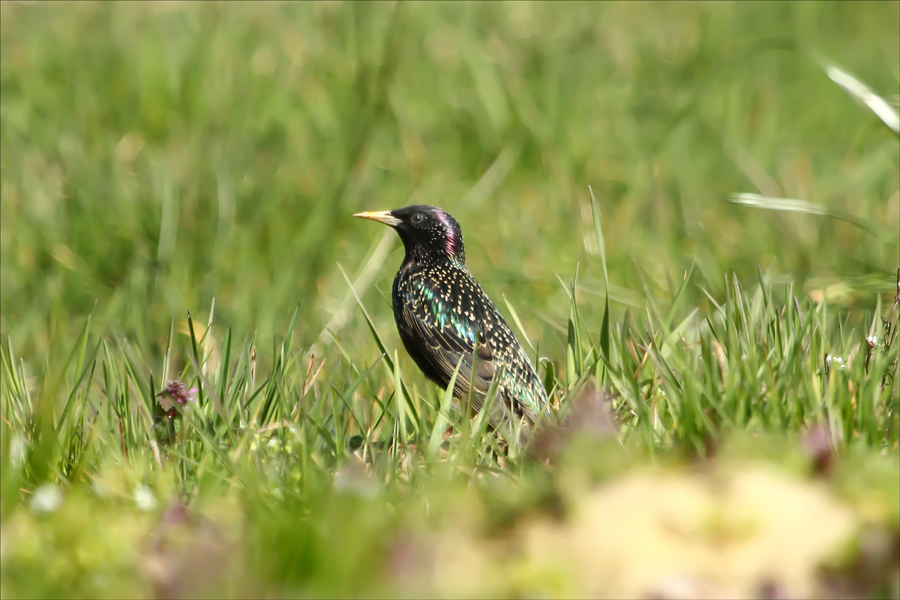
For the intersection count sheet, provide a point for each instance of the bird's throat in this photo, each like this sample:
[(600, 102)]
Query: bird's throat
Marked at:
[(420, 256)]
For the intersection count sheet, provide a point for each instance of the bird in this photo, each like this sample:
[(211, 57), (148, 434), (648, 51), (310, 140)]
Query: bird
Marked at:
[(445, 319)]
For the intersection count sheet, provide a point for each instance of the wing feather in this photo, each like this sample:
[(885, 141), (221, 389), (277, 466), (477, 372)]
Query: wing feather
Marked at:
[(470, 330)]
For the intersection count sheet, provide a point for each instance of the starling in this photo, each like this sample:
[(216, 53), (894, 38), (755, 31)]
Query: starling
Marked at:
[(444, 316)]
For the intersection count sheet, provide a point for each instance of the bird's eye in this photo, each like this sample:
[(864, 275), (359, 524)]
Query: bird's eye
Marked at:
[(417, 218)]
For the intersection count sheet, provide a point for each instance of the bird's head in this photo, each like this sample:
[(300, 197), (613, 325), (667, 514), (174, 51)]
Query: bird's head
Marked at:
[(427, 232)]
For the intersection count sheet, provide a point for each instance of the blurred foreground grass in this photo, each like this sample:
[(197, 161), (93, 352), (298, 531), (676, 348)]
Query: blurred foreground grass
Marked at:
[(160, 160)]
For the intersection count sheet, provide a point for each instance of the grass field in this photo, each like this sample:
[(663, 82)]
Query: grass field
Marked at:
[(688, 212)]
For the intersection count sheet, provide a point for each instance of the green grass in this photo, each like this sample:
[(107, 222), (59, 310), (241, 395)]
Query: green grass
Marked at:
[(683, 209)]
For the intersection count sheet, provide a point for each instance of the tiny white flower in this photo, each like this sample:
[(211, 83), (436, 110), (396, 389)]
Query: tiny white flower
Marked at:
[(100, 489), (18, 446), (872, 340), (46, 498), (144, 498), (354, 480)]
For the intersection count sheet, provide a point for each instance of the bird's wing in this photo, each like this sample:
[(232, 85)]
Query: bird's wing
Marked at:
[(447, 336), (447, 319)]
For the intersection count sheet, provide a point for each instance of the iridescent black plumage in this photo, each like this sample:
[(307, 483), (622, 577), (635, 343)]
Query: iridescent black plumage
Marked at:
[(443, 315)]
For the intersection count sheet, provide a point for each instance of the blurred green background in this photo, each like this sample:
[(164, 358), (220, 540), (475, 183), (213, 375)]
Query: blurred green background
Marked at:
[(157, 155)]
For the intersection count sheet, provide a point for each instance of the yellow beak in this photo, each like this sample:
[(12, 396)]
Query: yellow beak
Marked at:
[(382, 216)]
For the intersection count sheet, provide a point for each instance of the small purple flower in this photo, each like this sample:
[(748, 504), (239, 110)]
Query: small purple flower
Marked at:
[(175, 393)]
